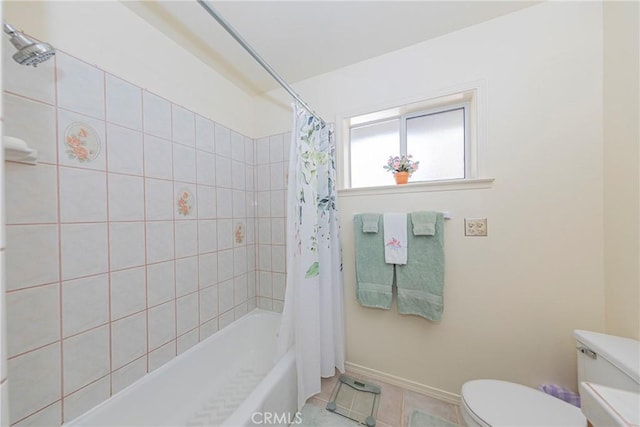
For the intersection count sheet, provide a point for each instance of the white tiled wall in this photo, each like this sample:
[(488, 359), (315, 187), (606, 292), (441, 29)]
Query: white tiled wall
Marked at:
[(272, 156), (130, 241)]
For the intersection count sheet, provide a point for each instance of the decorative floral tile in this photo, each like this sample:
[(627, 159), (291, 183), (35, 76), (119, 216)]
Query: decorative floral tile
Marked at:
[(82, 142), (185, 202), (239, 232)]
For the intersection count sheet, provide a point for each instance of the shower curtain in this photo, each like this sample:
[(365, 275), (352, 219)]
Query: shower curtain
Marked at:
[(313, 315)]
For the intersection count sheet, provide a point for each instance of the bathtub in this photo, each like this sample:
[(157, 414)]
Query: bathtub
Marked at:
[(229, 379)]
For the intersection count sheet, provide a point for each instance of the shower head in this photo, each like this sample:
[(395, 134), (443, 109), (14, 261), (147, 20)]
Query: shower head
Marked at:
[(30, 52)]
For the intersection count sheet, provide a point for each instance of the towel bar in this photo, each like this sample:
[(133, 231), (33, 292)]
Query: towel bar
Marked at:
[(447, 215)]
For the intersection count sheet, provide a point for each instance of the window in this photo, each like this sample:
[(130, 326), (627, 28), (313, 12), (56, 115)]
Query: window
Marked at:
[(436, 132)]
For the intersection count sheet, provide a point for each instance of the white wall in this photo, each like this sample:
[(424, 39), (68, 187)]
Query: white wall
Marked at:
[(622, 167), (111, 36), (513, 298)]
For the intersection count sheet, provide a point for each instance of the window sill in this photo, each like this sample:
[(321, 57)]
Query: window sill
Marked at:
[(420, 187)]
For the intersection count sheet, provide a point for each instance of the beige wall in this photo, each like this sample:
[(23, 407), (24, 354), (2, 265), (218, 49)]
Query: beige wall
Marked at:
[(513, 298), (621, 103), (111, 36)]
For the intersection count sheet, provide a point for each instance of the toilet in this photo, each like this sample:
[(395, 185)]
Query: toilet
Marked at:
[(602, 359)]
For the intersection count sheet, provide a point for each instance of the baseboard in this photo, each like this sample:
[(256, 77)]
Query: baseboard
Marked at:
[(404, 383)]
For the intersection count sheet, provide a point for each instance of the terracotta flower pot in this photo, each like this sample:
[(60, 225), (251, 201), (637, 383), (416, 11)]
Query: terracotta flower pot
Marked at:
[(401, 177)]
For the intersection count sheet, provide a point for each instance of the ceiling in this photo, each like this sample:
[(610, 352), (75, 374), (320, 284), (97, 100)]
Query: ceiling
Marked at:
[(302, 39)]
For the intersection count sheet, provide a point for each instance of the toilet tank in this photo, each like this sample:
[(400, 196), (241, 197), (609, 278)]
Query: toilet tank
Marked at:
[(608, 360)]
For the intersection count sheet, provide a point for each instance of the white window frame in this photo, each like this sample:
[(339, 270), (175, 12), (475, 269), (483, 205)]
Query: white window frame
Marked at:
[(470, 95), (466, 108)]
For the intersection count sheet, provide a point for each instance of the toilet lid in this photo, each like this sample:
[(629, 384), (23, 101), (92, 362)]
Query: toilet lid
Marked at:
[(500, 403)]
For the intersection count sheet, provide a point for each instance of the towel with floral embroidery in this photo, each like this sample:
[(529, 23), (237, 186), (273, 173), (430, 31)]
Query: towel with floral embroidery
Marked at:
[(395, 238)]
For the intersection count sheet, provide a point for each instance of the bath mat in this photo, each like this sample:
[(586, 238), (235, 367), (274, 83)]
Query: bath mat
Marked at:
[(356, 400), (420, 419)]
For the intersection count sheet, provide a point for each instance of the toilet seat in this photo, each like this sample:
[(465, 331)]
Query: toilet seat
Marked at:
[(500, 403)]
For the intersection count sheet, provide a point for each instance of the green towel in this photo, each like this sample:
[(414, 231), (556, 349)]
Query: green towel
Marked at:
[(374, 277), (421, 281), (424, 223), (370, 223)]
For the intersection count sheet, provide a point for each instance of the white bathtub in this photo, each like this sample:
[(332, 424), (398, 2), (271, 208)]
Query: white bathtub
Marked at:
[(229, 379)]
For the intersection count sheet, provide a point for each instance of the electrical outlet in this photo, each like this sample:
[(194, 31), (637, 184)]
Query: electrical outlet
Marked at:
[(475, 227)]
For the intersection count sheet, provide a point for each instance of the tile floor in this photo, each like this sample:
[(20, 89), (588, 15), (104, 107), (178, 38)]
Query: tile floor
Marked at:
[(396, 406)]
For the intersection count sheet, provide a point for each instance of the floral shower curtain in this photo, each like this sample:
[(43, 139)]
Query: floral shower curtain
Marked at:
[(313, 316)]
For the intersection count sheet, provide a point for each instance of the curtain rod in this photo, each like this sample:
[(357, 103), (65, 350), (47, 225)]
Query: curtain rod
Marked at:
[(233, 33)]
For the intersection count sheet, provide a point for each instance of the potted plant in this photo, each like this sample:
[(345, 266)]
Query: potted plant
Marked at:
[(402, 167)]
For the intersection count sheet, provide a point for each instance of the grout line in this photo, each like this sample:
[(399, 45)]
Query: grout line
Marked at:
[(59, 226), (197, 214), (26, 288), (31, 350), (131, 362), (29, 98), (106, 166), (146, 250), (126, 316), (87, 385), (38, 411), (173, 210)]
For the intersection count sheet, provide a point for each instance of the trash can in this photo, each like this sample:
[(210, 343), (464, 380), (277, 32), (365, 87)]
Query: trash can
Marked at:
[(561, 393)]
